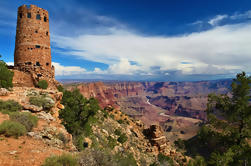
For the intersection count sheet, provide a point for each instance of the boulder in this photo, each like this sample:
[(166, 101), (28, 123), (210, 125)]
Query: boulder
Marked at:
[(46, 116), (4, 92), (32, 108), (60, 106)]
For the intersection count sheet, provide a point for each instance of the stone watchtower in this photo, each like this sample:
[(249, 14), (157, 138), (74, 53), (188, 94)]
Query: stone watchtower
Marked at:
[(32, 47)]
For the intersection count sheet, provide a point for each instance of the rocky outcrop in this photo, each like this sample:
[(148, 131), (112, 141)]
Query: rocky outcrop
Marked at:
[(4, 92), (48, 138), (32, 108), (157, 137), (30, 78)]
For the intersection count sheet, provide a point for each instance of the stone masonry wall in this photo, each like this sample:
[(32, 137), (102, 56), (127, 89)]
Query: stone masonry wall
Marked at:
[(32, 46)]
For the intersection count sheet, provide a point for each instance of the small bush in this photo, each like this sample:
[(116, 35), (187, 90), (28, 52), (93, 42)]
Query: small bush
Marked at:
[(180, 144), (42, 101), (120, 121), (78, 141), (11, 128), (117, 132), (112, 116), (6, 76), (97, 157), (62, 137), (165, 159), (9, 106), (43, 84), (122, 138), (64, 159), (126, 160), (111, 142), (60, 88), (26, 119)]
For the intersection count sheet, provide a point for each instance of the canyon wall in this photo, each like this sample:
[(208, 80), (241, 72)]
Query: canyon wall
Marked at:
[(187, 99)]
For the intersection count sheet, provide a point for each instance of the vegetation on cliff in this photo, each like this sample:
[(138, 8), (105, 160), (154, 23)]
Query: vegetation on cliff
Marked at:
[(10, 106), (99, 135), (43, 84), (19, 123), (78, 115), (6, 75), (225, 138), (12, 128)]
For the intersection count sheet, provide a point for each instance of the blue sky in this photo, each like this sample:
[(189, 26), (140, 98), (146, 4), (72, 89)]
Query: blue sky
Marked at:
[(159, 40)]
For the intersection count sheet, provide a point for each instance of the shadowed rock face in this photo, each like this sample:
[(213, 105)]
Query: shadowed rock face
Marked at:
[(187, 99)]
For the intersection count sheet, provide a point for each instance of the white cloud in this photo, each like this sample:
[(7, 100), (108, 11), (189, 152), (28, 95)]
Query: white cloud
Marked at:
[(10, 63), (61, 70), (223, 49), (217, 19), (123, 67), (244, 15)]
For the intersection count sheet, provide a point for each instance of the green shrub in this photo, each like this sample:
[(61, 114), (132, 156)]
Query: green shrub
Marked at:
[(9, 106), (199, 161), (165, 159), (79, 113), (43, 84), (111, 142), (78, 141), (122, 138), (25, 118), (63, 160), (117, 132), (96, 157), (42, 101), (60, 88), (62, 137), (120, 121), (6, 76), (180, 144), (126, 160), (12, 128), (154, 164)]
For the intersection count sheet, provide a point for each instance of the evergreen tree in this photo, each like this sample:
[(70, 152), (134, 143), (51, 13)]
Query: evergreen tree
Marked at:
[(229, 119), (6, 75)]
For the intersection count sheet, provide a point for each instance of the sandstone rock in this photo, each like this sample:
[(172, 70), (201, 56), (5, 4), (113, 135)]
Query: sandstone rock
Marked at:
[(32, 108), (104, 131), (60, 106), (156, 137), (118, 149), (4, 92), (31, 134), (12, 152), (46, 116)]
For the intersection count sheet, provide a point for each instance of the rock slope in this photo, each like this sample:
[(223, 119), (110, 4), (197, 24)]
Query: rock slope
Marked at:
[(43, 141)]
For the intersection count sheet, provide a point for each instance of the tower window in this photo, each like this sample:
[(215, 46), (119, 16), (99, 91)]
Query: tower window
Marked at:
[(38, 17), (37, 64), (47, 64), (37, 46), (20, 15), (45, 19), (28, 15), (36, 31), (47, 33)]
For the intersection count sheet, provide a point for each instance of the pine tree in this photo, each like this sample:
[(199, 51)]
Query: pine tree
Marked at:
[(229, 117)]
